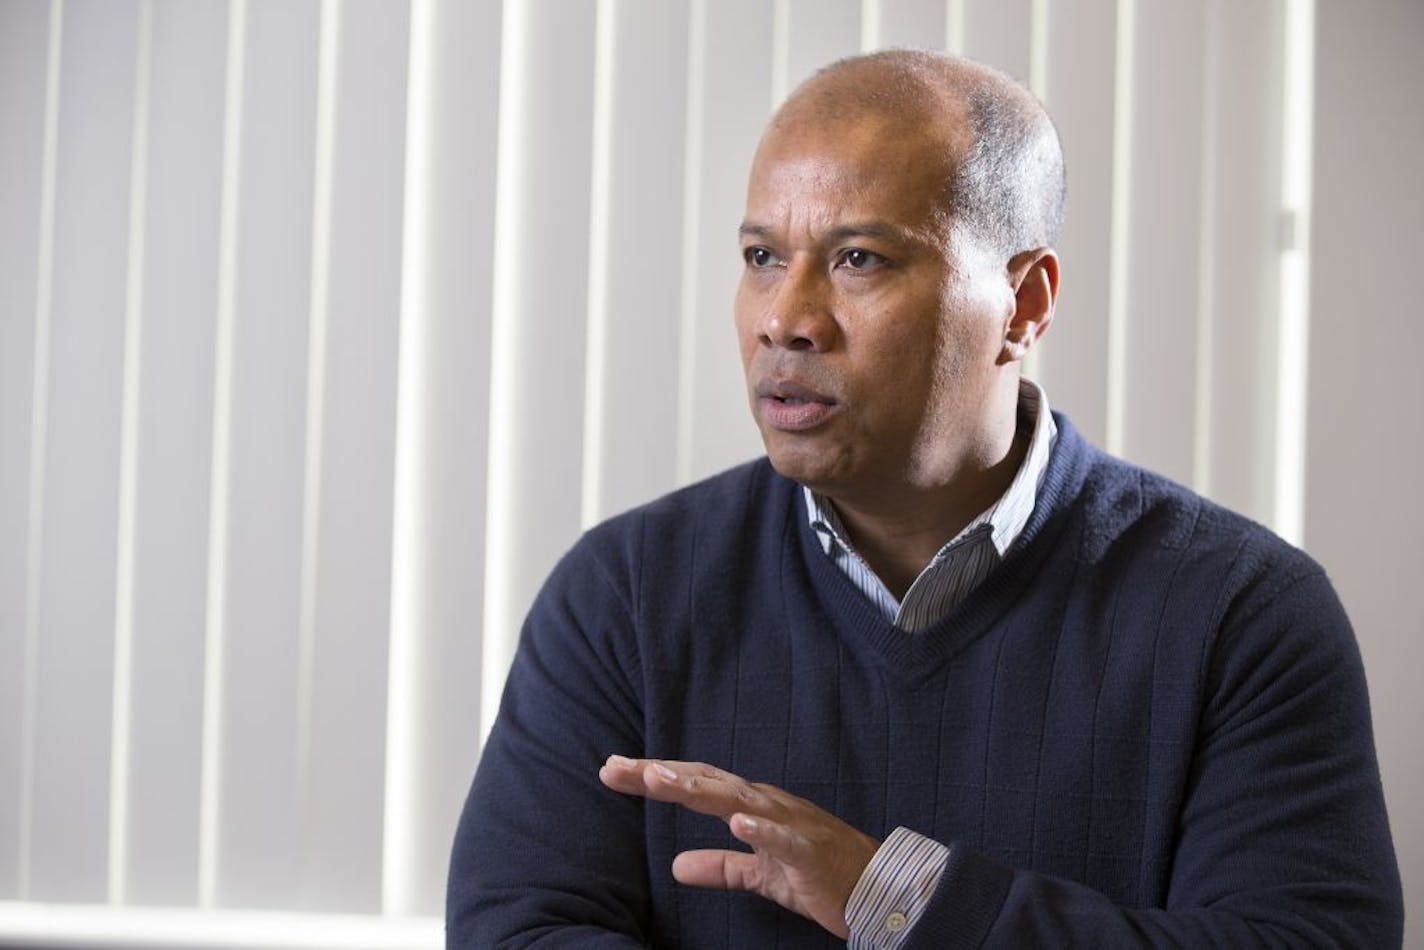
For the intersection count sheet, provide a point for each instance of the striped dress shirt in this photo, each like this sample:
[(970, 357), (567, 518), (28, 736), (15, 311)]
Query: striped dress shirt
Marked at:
[(899, 881)]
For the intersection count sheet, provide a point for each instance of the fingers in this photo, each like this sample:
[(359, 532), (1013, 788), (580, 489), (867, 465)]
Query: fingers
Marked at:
[(738, 870), (622, 774), (735, 870), (773, 839), (803, 857), (694, 785), (718, 870)]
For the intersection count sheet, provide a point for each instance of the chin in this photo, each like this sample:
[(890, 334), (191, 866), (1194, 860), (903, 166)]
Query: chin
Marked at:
[(804, 465)]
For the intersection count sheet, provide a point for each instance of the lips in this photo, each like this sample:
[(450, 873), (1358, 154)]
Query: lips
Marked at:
[(791, 406)]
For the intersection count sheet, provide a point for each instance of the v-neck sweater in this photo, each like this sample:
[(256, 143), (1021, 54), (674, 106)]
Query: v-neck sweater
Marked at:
[(1148, 725)]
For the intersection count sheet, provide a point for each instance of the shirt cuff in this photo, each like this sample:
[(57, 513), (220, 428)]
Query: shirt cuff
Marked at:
[(894, 890)]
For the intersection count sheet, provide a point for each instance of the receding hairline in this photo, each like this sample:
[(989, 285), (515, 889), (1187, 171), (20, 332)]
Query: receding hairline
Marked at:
[(1002, 147), (895, 83)]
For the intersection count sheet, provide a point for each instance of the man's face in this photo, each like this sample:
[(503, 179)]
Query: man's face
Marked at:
[(869, 333)]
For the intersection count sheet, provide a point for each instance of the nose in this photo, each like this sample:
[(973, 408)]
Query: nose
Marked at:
[(798, 314)]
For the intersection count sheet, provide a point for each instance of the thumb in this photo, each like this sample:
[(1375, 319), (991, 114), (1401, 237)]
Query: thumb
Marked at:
[(720, 870)]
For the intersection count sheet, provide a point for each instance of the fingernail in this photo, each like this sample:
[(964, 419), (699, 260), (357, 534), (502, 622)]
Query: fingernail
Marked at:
[(666, 772), (749, 823), (622, 761)]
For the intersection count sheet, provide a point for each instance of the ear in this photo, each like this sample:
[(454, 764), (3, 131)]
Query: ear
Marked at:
[(1033, 275)]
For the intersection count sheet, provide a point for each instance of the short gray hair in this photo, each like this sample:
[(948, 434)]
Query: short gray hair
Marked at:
[(1010, 188)]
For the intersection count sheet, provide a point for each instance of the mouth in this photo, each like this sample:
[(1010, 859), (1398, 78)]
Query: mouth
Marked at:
[(789, 406)]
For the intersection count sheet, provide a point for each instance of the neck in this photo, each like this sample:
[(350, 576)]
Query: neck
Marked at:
[(897, 533)]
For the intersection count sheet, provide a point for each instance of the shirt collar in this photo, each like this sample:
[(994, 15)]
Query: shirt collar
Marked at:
[(1006, 517)]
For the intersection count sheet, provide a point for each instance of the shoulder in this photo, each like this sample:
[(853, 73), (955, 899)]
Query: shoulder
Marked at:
[(701, 522), (1219, 571), (1233, 579), (1255, 618), (1128, 509)]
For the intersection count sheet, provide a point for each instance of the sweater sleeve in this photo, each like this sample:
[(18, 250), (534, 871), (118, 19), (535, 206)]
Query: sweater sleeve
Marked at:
[(1282, 839), (543, 855)]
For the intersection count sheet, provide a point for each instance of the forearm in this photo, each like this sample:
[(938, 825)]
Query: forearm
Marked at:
[(541, 860), (983, 903), (544, 855)]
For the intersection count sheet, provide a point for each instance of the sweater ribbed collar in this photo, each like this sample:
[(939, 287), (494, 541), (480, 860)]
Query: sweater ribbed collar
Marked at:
[(862, 624)]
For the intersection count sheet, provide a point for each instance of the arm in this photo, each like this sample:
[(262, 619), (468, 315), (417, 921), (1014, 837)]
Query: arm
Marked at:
[(1282, 838), (543, 854)]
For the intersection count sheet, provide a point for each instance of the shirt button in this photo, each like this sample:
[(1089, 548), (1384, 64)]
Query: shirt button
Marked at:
[(895, 922)]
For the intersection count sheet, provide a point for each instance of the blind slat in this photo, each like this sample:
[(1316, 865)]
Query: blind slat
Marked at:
[(1245, 269), (175, 395), (1073, 362), (641, 288), (75, 649), (1164, 239), (541, 300), (819, 32), (998, 32), (912, 23), (438, 574), (256, 851), (345, 761), (24, 54), (735, 90)]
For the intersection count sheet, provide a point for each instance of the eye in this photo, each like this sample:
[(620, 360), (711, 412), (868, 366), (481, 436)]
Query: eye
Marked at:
[(860, 259), (758, 256)]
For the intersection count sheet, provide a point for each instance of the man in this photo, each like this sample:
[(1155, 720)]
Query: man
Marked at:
[(938, 673)]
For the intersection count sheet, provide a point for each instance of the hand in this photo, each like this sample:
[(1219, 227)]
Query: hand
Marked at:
[(804, 858)]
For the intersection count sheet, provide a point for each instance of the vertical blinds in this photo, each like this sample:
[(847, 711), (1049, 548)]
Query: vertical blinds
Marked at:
[(326, 325)]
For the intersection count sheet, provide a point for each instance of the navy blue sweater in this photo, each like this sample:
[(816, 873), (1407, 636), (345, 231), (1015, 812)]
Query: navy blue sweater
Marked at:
[(1148, 726)]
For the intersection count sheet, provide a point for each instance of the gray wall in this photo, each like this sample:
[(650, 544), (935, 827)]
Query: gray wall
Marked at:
[(1366, 441)]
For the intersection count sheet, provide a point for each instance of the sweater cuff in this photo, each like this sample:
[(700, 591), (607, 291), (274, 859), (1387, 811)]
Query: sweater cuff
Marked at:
[(894, 890)]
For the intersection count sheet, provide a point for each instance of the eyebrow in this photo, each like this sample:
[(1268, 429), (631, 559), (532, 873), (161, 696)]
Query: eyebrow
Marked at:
[(870, 229)]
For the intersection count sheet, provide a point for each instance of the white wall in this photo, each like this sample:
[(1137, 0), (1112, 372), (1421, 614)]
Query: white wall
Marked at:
[(325, 326)]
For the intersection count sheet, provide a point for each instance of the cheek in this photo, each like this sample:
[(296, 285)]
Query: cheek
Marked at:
[(744, 320), (900, 377), (971, 339)]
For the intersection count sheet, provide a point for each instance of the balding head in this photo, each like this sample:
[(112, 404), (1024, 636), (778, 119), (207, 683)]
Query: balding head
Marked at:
[(1004, 164)]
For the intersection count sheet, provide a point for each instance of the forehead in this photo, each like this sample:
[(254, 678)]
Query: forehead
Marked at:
[(871, 168)]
